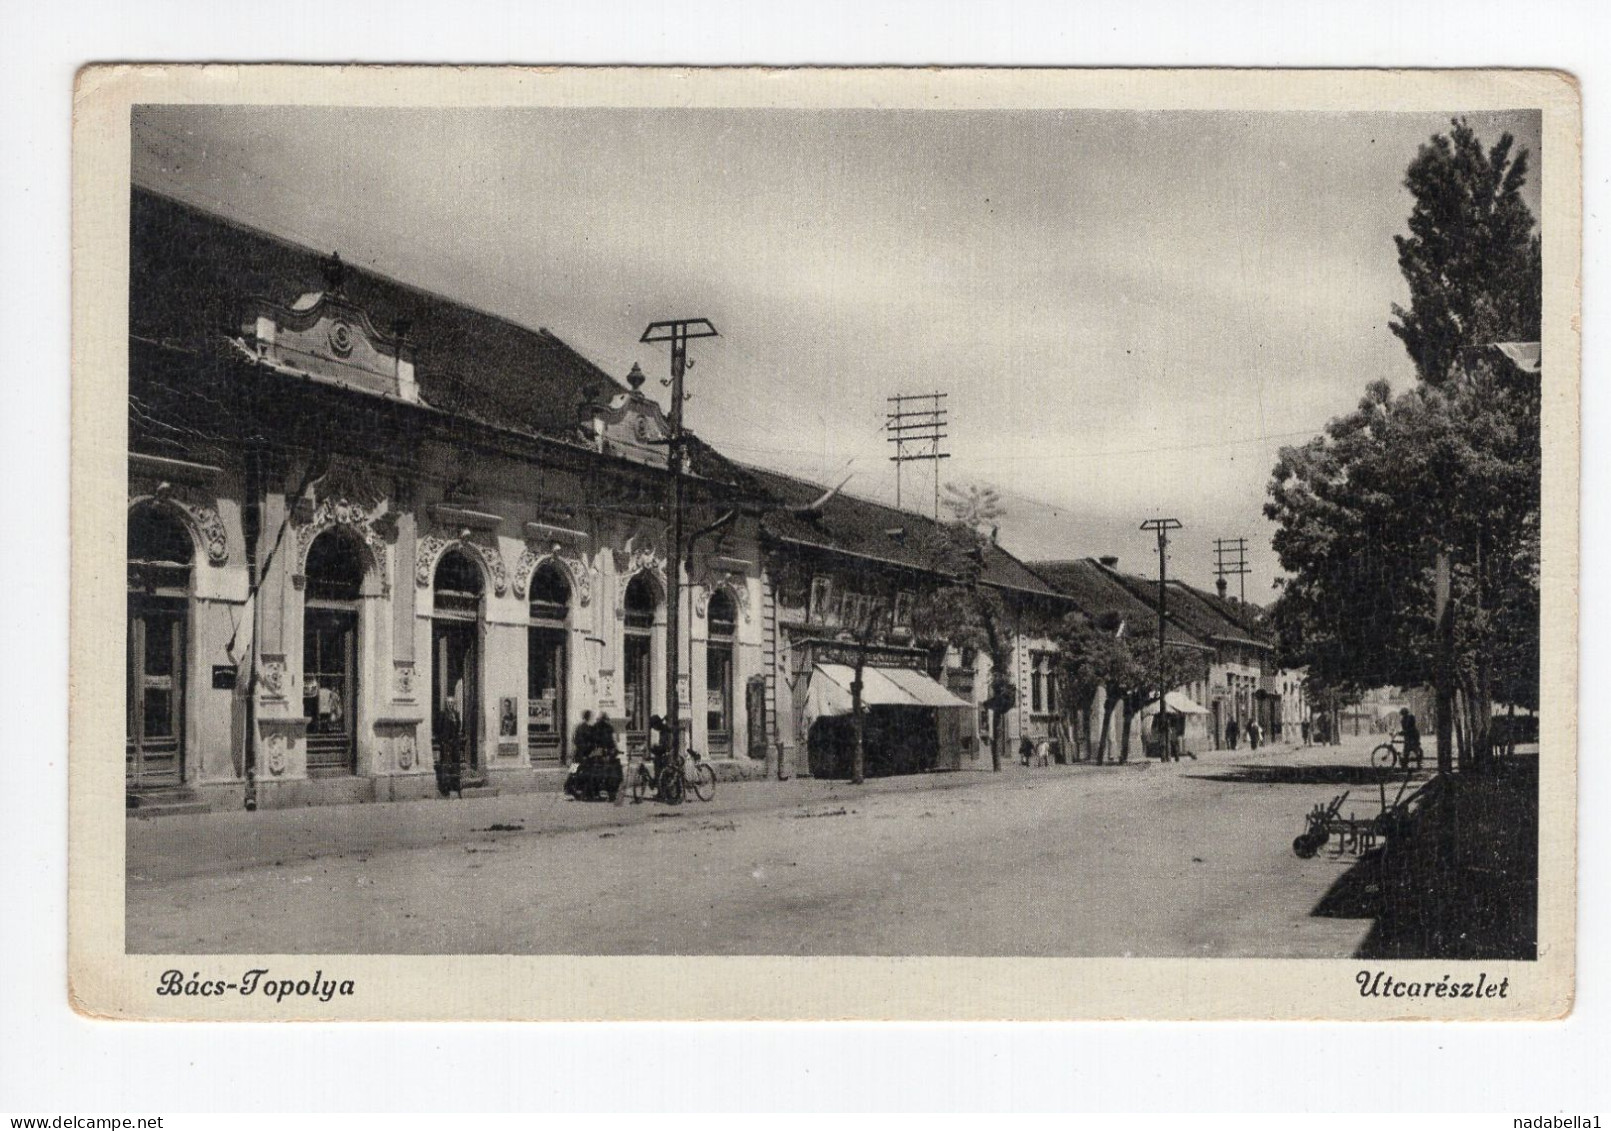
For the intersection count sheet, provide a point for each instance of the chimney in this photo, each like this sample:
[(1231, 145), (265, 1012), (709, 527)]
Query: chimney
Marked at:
[(1109, 560), (1219, 583)]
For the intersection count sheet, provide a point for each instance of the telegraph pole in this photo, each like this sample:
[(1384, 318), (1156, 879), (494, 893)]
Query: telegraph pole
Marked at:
[(1230, 560), (1162, 527), (917, 418), (677, 332)]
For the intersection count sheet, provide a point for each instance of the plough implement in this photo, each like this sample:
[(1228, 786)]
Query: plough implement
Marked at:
[(1355, 834)]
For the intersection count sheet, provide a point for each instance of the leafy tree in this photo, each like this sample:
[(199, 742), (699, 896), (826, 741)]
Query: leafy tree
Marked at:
[(870, 623), (1471, 259), (1363, 513), (1447, 472), (1140, 680), (1090, 656), (974, 505), (972, 615)]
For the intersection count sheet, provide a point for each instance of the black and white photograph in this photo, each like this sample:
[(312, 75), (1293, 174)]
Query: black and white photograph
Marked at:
[(1000, 524)]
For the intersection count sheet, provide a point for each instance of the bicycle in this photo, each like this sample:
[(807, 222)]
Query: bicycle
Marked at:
[(675, 780), (1389, 756)]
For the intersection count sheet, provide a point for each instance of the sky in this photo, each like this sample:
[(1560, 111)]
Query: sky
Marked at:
[(1130, 312)]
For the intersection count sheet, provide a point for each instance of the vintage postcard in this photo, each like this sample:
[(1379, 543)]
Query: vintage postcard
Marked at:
[(812, 544)]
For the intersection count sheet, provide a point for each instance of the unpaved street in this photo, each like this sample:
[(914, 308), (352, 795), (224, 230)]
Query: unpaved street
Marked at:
[(1192, 859)]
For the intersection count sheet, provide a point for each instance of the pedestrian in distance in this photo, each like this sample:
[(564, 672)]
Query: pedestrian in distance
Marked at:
[(1026, 749), (1231, 734), (1254, 734), (1412, 735), (1303, 728)]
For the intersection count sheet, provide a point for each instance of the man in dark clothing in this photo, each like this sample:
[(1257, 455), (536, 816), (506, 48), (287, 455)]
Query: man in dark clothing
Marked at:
[(603, 734), (582, 738), (1231, 732), (1412, 735), (659, 744), (1026, 750)]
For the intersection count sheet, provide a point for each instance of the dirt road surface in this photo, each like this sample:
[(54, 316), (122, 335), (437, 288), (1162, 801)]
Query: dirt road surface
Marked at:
[(1190, 859)]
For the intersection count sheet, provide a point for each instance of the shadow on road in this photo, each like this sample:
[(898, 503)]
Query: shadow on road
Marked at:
[(1352, 774), (1462, 880)]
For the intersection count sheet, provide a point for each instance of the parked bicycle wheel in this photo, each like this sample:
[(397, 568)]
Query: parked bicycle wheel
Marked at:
[(702, 781), (640, 785), (1384, 757), (671, 786)]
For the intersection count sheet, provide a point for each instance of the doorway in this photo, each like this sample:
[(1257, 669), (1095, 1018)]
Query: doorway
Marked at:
[(455, 693), (330, 652), (160, 554), (329, 688), (155, 750)]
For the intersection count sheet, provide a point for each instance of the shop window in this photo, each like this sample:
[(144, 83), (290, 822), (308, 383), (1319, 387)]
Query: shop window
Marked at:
[(546, 642), (722, 619), (640, 605)]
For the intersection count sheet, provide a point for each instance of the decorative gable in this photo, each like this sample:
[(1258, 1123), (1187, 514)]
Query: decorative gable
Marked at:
[(629, 425), (324, 336)]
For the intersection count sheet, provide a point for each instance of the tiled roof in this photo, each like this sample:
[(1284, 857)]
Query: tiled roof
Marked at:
[(852, 525), (1189, 609), (191, 274), (1251, 618), (1096, 592)]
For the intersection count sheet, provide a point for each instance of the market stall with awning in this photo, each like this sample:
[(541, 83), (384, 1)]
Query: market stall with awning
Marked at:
[(896, 699)]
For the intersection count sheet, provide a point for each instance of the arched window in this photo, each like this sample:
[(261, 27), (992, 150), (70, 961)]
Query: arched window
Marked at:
[(550, 593), (160, 551), (641, 600), (723, 614), (458, 585), (335, 569)]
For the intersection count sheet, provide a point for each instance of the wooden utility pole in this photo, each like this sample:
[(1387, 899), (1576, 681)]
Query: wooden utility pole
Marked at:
[(1230, 558), (1162, 527), (917, 418), (677, 332)]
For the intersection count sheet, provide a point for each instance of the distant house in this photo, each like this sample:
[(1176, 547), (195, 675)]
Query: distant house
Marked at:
[(844, 575), (1096, 589)]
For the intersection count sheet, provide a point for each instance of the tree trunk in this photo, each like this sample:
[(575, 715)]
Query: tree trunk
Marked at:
[(1124, 742), (1444, 667), (997, 733), (1462, 754), (1107, 730)]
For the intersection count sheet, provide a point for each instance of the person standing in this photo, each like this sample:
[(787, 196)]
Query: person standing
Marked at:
[(1412, 735), (582, 739), (1231, 733), (1026, 749), (1254, 734)]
